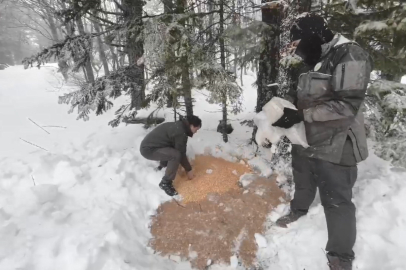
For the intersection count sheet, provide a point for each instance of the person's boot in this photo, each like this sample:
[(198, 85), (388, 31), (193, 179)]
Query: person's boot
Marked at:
[(291, 217), (337, 263), (167, 186)]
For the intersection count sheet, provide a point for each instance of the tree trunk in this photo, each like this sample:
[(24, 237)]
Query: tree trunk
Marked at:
[(135, 49), (304, 6), (102, 54), (52, 27), (187, 87), (210, 8), (114, 58), (62, 63), (241, 76), (170, 55), (268, 69), (269, 58), (186, 82), (88, 65), (223, 64)]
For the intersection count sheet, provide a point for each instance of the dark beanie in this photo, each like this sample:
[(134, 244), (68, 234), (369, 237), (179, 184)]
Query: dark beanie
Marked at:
[(311, 25)]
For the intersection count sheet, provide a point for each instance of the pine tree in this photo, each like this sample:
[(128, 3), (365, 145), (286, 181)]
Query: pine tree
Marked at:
[(97, 93), (379, 26)]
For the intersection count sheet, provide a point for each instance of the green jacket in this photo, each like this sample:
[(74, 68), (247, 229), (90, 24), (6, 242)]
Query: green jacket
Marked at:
[(170, 134)]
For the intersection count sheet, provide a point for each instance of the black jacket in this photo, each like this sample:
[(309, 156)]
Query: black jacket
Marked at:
[(170, 134), (331, 97)]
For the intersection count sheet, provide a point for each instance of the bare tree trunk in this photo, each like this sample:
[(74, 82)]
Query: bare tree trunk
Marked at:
[(186, 82), (62, 64), (210, 8), (235, 22), (187, 86), (53, 29), (269, 58), (88, 65), (245, 64), (268, 69), (135, 49), (223, 64), (169, 8), (241, 76), (114, 58), (102, 54)]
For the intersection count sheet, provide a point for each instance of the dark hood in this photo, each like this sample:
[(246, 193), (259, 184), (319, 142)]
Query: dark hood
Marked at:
[(312, 31)]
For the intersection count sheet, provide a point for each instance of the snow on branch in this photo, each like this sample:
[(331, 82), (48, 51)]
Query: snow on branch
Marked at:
[(77, 48), (371, 26), (391, 94), (221, 84), (383, 86), (273, 5), (96, 96)]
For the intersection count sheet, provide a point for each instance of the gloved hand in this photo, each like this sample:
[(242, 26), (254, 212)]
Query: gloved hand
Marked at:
[(289, 118)]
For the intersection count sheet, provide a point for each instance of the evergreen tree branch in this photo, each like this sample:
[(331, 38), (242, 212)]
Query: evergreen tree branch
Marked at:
[(110, 12), (99, 18)]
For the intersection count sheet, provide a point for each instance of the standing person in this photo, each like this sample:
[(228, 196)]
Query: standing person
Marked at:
[(167, 144), (329, 99)]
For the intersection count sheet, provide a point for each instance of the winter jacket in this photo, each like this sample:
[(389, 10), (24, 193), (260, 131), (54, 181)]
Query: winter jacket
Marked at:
[(331, 97), (170, 134)]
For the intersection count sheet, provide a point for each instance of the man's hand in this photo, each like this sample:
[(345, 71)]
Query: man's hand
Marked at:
[(289, 118), (190, 175)]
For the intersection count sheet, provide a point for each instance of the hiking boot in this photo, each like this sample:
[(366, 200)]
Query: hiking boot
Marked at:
[(167, 186), (291, 217), (337, 263)]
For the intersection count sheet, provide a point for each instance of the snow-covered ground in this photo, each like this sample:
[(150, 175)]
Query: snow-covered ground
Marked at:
[(84, 202)]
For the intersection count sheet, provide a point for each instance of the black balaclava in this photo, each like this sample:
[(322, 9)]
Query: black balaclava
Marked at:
[(313, 32)]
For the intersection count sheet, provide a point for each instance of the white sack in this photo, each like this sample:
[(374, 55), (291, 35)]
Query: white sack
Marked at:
[(271, 112)]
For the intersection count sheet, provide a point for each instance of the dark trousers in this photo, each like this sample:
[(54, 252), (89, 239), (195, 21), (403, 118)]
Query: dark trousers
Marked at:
[(167, 157), (335, 183)]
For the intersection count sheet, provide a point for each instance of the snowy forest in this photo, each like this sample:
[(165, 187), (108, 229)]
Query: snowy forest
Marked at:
[(159, 52)]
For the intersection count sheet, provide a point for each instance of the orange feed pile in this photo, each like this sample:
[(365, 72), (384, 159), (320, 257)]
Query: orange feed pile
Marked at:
[(212, 175), (212, 228)]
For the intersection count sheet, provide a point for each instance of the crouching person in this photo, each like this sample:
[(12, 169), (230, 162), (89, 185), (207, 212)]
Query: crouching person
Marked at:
[(167, 144)]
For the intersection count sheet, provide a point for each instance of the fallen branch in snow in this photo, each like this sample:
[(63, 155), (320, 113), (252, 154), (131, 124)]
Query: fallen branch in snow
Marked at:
[(146, 121), (34, 145), (33, 180), (213, 111), (53, 127), (38, 126)]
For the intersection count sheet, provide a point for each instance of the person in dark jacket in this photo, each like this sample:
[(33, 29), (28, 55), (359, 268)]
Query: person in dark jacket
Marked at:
[(167, 144), (329, 99)]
